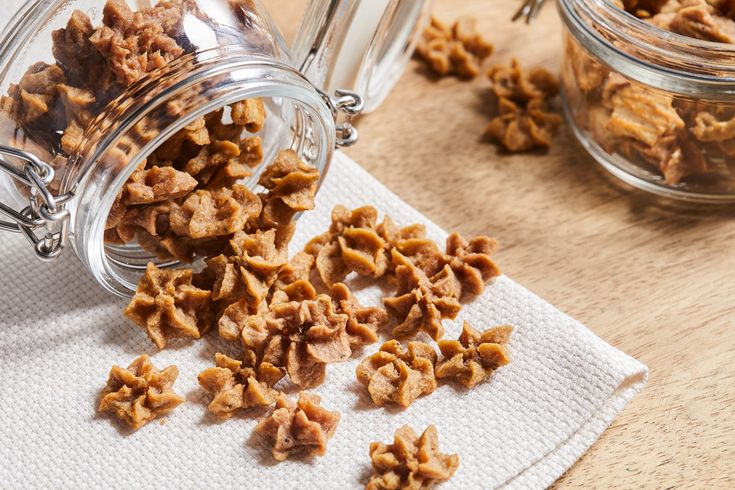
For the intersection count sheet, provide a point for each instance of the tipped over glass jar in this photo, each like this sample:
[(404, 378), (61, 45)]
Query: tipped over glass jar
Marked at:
[(650, 92), (94, 91)]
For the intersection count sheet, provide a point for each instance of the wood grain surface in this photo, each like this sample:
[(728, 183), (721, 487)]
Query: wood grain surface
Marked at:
[(651, 278)]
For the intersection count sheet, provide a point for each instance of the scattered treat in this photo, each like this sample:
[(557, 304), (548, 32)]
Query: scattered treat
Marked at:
[(362, 322), (398, 374), (459, 50), (355, 242), (140, 393), (292, 185), (303, 426), (239, 384), (474, 356), (471, 261), (303, 337), (293, 282), (421, 302), (524, 121), (168, 306), (411, 462), (352, 243)]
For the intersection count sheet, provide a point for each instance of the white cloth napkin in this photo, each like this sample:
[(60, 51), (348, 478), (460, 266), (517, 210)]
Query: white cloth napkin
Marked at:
[(60, 334)]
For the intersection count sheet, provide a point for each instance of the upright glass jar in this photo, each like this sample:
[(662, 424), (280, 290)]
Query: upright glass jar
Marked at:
[(180, 61), (655, 108)]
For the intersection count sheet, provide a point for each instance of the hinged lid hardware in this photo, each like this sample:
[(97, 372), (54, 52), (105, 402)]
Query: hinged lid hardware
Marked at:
[(350, 104), (44, 212)]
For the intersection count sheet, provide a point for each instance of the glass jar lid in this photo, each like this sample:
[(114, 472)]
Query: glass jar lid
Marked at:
[(359, 45)]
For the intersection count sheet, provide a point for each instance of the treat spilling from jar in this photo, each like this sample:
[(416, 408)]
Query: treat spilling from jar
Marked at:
[(185, 199)]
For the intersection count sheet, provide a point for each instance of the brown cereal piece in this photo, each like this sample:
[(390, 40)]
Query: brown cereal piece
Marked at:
[(223, 162), (302, 337), (471, 261), (140, 393), (421, 302), (524, 121), (77, 103), (36, 94), (152, 218), (304, 426), (206, 214), (702, 21), (297, 269), (518, 130), (169, 246), (351, 244), (411, 462), (709, 128), (589, 73), (362, 322), (196, 132), (410, 246), (638, 114), (474, 356), (136, 43), (246, 277), (155, 184), (117, 212), (236, 384), (168, 306), (457, 50), (685, 158), (291, 180), (236, 169), (249, 113), (512, 82), (398, 374), (72, 49), (293, 282)]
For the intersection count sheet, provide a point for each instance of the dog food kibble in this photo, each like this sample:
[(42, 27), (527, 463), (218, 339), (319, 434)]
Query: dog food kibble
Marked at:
[(411, 463), (303, 426), (362, 321), (524, 119), (474, 356), (457, 50), (302, 337), (420, 303), (140, 393), (399, 374), (168, 306), (236, 384)]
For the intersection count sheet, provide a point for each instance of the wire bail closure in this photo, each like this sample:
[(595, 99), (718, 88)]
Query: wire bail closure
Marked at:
[(345, 105), (44, 212)]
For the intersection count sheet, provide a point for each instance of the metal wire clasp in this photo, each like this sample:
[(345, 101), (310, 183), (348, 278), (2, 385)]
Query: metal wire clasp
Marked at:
[(45, 211), (350, 104)]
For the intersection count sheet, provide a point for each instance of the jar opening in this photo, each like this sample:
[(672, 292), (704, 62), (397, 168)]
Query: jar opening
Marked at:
[(649, 54), (296, 119)]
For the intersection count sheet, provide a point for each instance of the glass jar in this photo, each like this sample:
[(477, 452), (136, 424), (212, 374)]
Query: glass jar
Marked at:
[(196, 57), (655, 108)]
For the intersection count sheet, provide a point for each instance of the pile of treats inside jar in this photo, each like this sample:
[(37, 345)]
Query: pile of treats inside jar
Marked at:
[(524, 118), (682, 139), (290, 316)]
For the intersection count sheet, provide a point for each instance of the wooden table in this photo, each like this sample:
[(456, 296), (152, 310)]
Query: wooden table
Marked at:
[(655, 280)]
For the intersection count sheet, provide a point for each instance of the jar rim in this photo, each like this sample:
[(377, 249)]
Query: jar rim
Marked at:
[(650, 54), (94, 202)]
